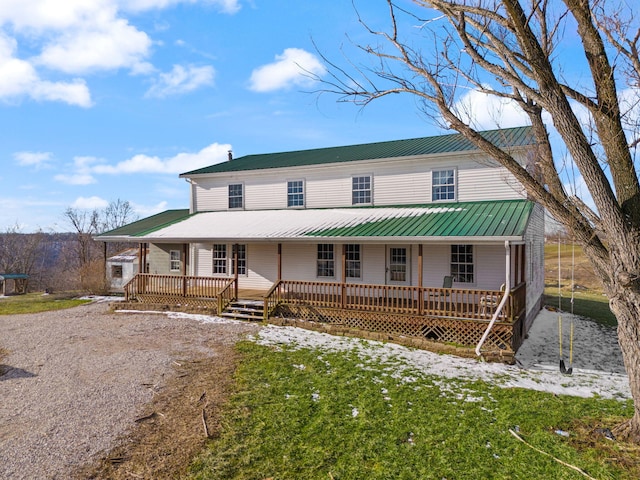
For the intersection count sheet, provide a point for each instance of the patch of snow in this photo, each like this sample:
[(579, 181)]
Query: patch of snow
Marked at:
[(597, 366)]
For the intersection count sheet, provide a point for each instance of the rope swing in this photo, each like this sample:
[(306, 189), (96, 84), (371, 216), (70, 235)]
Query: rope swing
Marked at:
[(563, 368)]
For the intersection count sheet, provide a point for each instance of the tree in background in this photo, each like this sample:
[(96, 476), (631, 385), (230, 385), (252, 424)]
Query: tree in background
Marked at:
[(22, 253), (570, 69), (87, 257)]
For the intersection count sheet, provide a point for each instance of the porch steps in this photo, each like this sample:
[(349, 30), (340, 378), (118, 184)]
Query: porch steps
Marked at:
[(244, 310)]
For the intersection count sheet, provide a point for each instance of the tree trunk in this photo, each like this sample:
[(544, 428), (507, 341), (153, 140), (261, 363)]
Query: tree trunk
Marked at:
[(626, 307)]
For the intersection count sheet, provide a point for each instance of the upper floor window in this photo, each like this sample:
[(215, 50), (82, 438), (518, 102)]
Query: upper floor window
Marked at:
[(174, 260), (353, 267), (325, 266), (295, 193), (361, 190), (443, 185), (236, 199), (462, 263)]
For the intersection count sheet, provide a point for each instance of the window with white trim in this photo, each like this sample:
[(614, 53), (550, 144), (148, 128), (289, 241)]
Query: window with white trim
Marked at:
[(220, 259), (353, 267), (236, 197), (242, 259), (361, 190), (325, 266), (295, 193), (223, 262), (174, 260), (462, 263), (443, 185)]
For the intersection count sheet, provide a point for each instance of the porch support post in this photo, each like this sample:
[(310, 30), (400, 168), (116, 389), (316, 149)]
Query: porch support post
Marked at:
[(183, 269), (279, 262), (523, 262), (104, 264), (420, 279), (344, 276), (236, 247)]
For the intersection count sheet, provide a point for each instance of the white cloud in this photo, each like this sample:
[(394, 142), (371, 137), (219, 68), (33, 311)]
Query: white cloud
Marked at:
[(89, 203), (19, 78), (108, 45), (81, 174), (75, 179), (483, 111), (225, 6), (80, 37), (292, 68), (147, 210), (183, 162), (33, 159), (181, 80)]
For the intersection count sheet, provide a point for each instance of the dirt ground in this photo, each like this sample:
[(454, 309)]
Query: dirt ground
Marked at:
[(142, 401), (174, 426)]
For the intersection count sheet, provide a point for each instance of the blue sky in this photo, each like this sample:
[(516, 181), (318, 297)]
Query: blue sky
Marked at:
[(112, 99)]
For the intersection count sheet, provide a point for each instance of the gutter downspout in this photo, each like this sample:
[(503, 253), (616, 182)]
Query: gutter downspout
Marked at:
[(503, 301)]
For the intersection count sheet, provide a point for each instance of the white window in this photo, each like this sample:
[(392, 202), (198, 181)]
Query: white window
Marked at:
[(353, 267), (325, 261), (236, 199), (174, 260), (295, 193), (220, 259), (443, 185), (462, 263), (242, 259), (223, 263), (361, 190)]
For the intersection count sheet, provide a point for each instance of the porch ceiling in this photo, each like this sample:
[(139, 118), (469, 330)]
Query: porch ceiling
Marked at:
[(487, 221)]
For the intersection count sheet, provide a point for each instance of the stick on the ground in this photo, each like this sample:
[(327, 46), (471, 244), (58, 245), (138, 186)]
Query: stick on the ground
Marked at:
[(204, 424), (549, 455)]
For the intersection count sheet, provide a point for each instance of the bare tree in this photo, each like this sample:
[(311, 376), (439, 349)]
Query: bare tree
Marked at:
[(116, 214), (89, 255), (20, 252), (512, 51)]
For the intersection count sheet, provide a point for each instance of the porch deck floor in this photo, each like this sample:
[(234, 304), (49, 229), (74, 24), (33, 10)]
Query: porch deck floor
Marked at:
[(251, 294)]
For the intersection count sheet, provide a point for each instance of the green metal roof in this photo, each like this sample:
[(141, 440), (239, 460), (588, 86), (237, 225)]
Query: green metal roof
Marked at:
[(509, 137), (504, 218), (148, 224)]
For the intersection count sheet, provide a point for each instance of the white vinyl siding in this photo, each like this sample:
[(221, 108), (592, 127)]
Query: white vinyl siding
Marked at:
[(397, 182)]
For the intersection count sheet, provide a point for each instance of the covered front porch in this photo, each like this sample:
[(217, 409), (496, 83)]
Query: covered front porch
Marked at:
[(445, 319)]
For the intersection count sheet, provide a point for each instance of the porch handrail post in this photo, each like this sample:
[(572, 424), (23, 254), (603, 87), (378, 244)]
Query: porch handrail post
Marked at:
[(184, 285)]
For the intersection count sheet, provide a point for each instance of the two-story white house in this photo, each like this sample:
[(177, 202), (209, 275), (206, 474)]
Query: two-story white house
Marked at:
[(419, 238)]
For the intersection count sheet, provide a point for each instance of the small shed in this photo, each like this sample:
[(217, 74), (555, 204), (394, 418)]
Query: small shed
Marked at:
[(121, 268), (19, 282)]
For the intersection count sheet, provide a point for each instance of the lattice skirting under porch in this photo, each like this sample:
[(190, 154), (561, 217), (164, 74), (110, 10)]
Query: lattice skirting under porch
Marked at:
[(442, 334), (208, 305)]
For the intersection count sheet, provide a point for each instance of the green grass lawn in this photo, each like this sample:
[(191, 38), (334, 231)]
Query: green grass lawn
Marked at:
[(309, 414), (36, 302)]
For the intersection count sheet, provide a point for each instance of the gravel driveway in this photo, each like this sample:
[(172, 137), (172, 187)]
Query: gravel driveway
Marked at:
[(75, 380)]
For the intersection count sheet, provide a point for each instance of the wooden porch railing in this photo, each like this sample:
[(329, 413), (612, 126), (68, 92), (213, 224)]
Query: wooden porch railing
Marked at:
[(437, 302), (441, 302), (181, 286)]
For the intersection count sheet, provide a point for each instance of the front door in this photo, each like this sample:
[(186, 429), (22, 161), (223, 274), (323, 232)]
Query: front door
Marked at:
[(398, 265)]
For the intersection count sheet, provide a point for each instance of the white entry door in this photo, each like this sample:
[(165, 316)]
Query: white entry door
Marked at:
[(398, 263)]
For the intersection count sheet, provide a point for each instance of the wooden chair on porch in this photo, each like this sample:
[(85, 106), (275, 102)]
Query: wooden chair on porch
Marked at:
[(443, 296)]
